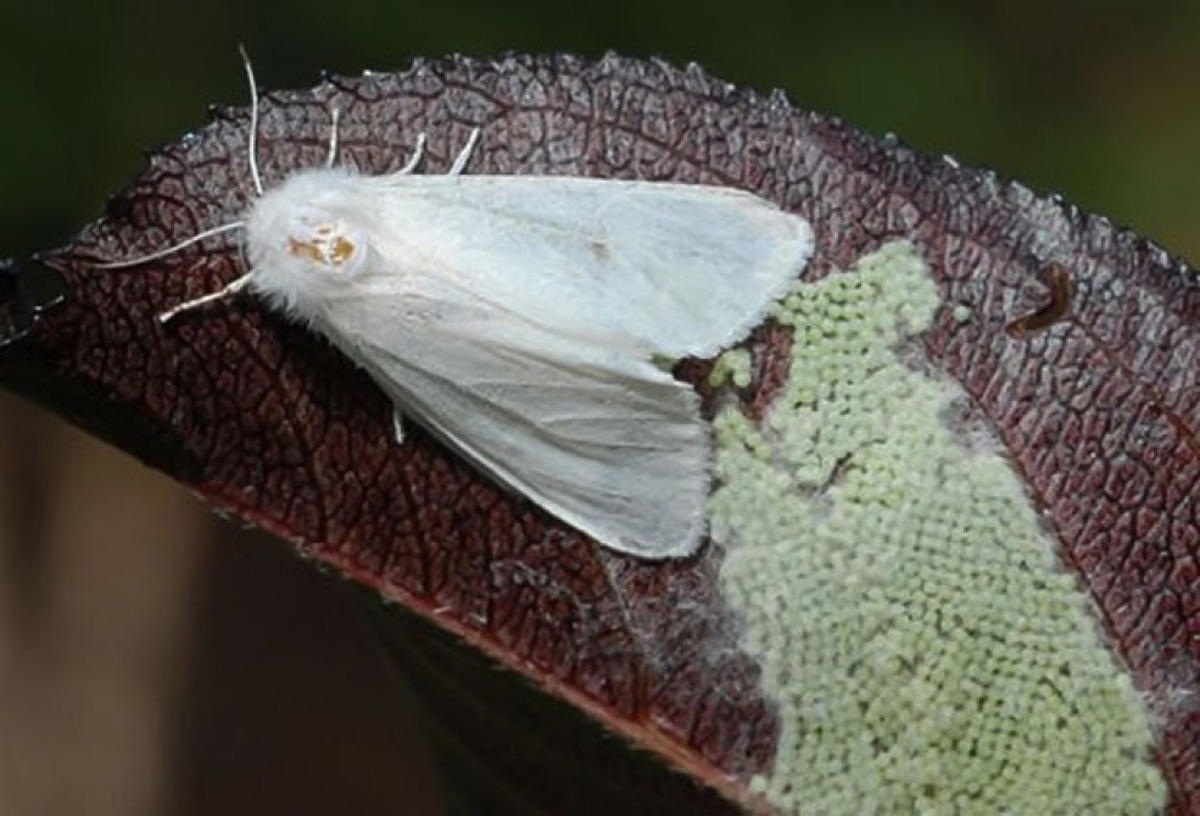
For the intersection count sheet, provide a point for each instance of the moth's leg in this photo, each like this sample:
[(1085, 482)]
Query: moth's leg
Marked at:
[(334, 114), (228, 289), (398, 426), (418, 152), (464, 155)]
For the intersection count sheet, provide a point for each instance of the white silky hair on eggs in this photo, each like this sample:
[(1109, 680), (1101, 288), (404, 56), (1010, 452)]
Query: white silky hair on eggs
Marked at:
[(518, 318)]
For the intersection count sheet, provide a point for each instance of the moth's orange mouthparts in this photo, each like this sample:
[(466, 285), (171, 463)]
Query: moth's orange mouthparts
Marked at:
[(342, 250), (326, 249), (306, 249)]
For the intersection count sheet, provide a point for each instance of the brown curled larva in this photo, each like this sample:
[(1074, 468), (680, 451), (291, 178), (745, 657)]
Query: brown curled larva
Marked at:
[(1059, 281)]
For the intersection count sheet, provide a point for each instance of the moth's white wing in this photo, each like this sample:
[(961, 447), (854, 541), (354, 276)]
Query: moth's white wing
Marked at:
[(671, 269), (516, 318), (613, 446)]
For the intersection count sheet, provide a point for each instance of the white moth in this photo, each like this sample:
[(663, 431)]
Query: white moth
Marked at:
[(517, 318)]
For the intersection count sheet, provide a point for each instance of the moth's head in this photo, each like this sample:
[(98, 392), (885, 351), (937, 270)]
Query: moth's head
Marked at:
[(305, 239)]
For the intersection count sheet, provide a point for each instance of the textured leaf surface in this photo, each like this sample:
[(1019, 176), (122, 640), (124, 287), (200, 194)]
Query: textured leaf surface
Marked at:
[(268, 422)]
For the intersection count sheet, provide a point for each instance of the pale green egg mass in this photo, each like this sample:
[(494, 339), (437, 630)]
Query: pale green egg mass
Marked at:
[(925, 648)]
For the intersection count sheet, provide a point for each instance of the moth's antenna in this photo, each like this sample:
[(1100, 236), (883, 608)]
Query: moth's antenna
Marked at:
[(240, 283), (333, 138), (258, 185), (162, 253), (228, 289)]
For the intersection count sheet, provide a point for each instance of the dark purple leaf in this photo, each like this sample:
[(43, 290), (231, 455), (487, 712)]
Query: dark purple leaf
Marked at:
[(270, 424)]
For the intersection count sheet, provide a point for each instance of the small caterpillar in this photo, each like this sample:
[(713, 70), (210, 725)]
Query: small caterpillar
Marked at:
[(1059, 281)]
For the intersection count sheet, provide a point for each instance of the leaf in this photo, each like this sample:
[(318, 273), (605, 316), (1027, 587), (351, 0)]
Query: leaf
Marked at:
[(270, 424)]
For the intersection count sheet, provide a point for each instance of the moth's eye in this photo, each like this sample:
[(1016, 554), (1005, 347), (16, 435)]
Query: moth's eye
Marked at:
[(329, 245)]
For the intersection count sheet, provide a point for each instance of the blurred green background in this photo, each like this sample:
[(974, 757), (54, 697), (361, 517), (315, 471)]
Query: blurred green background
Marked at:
[(154, 660), (1093, 99)]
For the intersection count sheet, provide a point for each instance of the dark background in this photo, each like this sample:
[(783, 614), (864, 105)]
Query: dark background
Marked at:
[(156, 660)]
